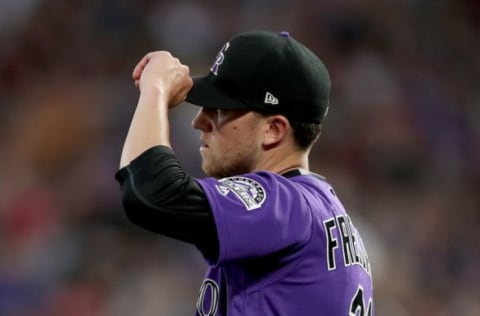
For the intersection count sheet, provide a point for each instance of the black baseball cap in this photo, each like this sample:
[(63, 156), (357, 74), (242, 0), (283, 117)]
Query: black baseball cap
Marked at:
[(267, 72)]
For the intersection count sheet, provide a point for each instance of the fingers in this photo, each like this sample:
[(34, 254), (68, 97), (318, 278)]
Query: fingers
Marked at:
[(137, 71), (182, 90), (161, 69), (181, 85), (142, 64)]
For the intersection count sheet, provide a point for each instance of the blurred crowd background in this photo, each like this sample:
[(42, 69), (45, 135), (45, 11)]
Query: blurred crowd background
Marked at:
[(401, 145)]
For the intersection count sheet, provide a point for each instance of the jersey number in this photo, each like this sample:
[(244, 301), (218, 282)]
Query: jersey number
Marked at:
[(208, 299), (357, 306)]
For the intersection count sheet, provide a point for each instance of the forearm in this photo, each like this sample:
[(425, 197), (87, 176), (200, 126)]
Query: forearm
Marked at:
[(149, 126)]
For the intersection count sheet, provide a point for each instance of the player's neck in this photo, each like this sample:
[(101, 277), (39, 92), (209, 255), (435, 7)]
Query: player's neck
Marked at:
[(281, 162)]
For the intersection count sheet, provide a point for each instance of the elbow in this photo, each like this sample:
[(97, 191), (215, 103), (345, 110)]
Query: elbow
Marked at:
[(131, 211), (141, 214), (134, 210)]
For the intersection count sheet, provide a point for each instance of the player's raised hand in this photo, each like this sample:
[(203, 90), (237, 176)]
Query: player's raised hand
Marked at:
[(161, 71)]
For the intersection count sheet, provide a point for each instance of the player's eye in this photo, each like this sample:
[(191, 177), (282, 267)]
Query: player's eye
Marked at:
[(223, 114)]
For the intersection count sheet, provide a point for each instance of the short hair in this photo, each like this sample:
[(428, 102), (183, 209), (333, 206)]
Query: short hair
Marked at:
[(305, 134)]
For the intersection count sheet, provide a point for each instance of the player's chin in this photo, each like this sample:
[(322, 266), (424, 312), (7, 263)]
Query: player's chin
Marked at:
[(206, 167), (212, 169)]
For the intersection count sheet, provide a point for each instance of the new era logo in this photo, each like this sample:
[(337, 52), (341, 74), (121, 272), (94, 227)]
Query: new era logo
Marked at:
[(270, 98)]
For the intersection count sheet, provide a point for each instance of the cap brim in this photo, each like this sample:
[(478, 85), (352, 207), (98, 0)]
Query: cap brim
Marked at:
[(207, 93)]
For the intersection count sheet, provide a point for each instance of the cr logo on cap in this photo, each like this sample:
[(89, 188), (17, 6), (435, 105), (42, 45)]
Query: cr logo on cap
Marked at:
[(219, 59)]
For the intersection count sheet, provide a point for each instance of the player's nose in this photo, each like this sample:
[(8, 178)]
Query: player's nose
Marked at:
[(203, 121)]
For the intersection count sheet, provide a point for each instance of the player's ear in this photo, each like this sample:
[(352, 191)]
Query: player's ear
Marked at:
[(277, 130)]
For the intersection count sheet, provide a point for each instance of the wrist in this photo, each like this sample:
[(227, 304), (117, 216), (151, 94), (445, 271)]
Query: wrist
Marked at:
[(153, 95)]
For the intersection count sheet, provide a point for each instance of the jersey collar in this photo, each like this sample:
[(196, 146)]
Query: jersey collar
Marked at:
[(301, 172)]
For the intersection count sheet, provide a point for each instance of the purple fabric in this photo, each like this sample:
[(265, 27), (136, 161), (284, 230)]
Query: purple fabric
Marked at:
[(287, 247)]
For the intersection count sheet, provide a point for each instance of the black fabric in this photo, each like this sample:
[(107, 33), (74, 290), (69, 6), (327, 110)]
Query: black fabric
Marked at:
[(300, 172), (266, 72), (160, 196)]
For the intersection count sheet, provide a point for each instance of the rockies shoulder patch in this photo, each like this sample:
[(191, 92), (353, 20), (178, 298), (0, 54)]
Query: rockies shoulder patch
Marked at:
[(248, 191)]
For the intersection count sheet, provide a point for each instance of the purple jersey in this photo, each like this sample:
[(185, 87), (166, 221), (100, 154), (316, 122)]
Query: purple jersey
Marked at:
[(287, 247)]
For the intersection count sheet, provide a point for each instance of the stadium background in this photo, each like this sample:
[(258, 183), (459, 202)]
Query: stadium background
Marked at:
[(401, 146)]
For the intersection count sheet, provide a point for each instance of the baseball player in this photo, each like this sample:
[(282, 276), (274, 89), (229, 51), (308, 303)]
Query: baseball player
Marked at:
[(275, 235)]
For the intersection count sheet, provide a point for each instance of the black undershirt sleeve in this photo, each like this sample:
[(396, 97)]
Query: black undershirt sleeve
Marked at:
[(160, 196)]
